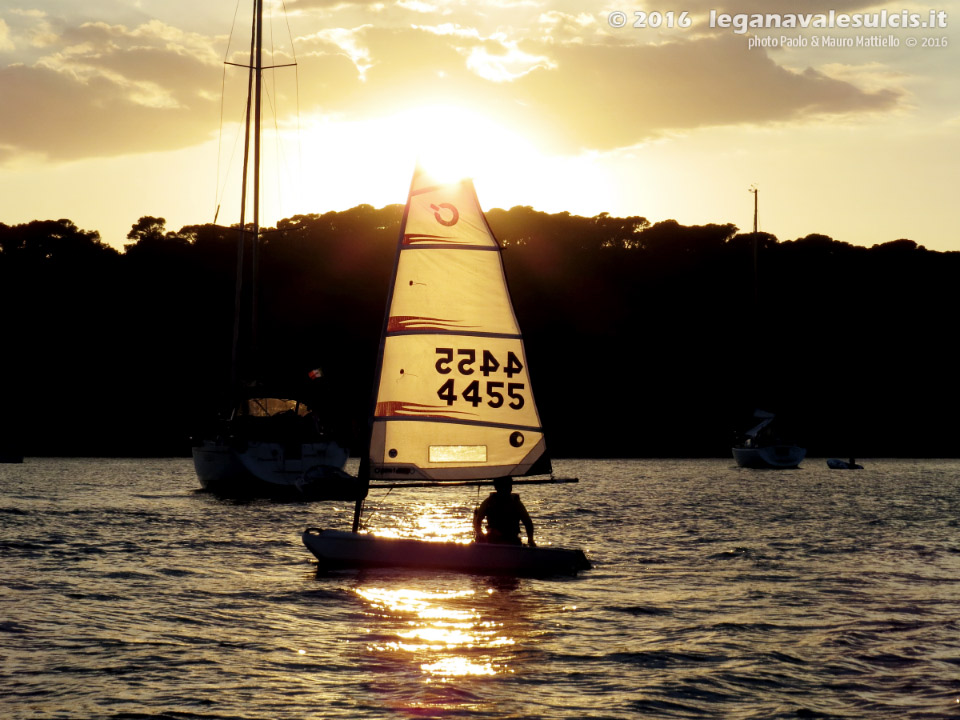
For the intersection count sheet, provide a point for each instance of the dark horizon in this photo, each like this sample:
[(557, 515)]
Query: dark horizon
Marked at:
[(643, 340)]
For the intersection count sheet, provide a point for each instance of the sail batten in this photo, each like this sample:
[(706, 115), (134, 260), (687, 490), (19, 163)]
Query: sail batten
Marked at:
[(453, 394), (443, 246), (501, 336), (461, 421)]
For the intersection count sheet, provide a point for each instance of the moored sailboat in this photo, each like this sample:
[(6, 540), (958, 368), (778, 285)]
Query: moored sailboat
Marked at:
[(268, 443), (762, 449), (453, 401)]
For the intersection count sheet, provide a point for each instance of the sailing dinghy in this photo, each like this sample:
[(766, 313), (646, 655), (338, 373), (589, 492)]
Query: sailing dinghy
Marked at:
[(453, 404), (338, 549)]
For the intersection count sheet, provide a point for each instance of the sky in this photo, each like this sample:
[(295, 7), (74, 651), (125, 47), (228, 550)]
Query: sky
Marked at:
[(115, 109)]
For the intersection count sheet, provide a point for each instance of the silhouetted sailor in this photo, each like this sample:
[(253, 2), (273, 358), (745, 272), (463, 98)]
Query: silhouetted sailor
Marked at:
[(504, 511)]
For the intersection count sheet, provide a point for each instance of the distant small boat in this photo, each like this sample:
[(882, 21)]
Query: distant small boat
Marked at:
[(11, 446), (761, 449), (851, 464), (10, 456)]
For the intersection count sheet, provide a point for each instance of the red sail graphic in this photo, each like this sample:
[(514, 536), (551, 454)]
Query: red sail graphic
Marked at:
[(400, 408), (397, 323), (414, 238)]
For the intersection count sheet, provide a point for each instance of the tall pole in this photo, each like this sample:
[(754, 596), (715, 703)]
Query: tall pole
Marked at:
[(756, 293), (257, 111), (252, 78)]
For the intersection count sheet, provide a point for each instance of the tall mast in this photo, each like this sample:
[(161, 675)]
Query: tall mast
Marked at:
[(254, 75), (252, 79), (258, 71), (252, 130), (756, 293)]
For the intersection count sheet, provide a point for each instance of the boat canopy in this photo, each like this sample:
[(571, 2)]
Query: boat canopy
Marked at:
[(271, 406), (767, 419)]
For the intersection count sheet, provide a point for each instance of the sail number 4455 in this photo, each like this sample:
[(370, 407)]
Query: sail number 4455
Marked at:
[(465, 362)]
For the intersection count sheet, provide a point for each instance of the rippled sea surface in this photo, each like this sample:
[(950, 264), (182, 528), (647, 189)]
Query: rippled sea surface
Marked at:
[(716, 592)]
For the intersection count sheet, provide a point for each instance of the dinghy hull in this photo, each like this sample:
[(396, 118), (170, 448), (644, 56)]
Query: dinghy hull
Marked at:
[(337, 549)]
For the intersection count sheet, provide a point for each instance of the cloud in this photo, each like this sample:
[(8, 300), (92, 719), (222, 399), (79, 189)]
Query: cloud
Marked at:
[(777, 6), (6, 44), (607, 96), (564, 27), (108, 89), (333, 4), (32, 27), (66, 119), (346, 43), (507, 65), (601, 96)]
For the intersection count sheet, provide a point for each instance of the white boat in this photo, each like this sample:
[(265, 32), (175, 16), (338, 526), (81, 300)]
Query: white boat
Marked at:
[(453, 401), (762, 449), (266, 444), (274, 447)]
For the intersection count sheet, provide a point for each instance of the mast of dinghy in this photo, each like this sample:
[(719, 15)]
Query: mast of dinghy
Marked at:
[(357, 511)]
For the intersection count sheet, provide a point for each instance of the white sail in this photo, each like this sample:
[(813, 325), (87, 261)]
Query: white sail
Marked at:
[(454, 400)]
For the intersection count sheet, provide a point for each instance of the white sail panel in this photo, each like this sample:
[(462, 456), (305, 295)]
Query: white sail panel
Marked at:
[(451, 291), (454, 399), (445, 215), (408, 450), (456, 378)]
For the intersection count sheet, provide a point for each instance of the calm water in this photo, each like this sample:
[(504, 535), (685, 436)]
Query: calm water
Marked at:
[(716, 592)]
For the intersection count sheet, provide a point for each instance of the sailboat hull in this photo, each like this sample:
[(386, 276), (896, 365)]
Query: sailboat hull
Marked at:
[(265, 469), (769, 456), (336, 549)]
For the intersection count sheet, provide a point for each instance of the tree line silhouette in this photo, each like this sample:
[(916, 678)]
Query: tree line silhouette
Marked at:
[(643, 339)]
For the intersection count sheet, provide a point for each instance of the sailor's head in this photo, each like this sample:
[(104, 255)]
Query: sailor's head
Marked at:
[(503, 484)]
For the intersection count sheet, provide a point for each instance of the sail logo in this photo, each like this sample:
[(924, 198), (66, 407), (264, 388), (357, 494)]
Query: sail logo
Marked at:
[(455, 214)]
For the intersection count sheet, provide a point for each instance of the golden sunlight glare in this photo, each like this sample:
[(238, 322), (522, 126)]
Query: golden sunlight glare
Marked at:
[(434, 628), (452, 142)]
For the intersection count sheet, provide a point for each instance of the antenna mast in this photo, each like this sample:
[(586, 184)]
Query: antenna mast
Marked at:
[(756, 294)]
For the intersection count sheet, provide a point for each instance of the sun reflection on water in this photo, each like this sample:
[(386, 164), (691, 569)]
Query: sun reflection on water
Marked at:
[(457, 667), (442, 630), (448, 634), (430, 521)]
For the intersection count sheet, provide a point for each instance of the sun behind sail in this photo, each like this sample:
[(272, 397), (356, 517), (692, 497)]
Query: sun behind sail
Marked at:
[(453, 393)]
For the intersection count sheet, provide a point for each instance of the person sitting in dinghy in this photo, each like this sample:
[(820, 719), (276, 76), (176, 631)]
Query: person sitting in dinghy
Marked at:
[(504, 511)]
